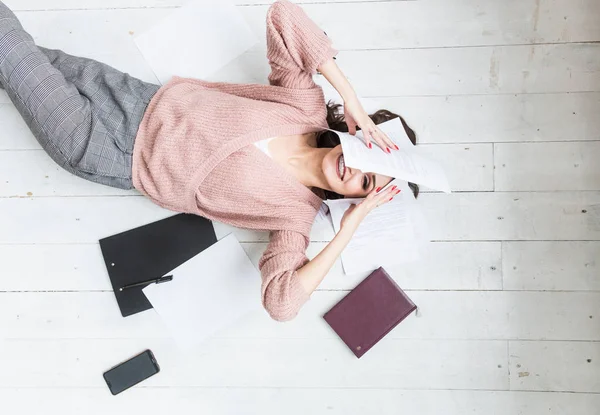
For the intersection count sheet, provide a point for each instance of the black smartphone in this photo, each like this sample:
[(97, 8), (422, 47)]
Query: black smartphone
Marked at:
[(131, 372)]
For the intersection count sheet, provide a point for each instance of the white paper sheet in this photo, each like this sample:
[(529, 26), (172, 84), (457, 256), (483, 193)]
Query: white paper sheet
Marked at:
[(208, 293), (196, 40), (387, 236), (407, 164)]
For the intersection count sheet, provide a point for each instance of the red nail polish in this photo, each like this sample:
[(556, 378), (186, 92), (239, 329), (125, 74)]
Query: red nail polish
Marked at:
[(397, 148), (391, 199), (370, 145), (378, 189), (398, 191), (388, 150), (393, 187)]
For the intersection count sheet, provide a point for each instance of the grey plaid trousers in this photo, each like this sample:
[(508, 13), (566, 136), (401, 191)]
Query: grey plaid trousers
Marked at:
[(84, 113)]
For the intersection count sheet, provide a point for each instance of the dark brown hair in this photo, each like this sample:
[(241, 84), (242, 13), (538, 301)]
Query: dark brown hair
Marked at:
[(336, 121)]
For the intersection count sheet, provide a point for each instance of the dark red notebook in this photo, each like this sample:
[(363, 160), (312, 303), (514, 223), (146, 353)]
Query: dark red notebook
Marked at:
[(369, 312)]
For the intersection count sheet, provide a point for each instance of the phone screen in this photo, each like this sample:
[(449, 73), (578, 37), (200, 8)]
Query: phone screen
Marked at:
[(131, 372)]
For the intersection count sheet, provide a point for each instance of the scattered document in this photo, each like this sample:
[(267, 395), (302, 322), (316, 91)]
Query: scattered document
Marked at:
[(387, 236), (208, 293), (407, 164), (196, 40)]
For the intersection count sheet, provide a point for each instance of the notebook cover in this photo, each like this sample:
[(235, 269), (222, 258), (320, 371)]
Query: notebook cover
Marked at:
[(151, 251), (369, 312)]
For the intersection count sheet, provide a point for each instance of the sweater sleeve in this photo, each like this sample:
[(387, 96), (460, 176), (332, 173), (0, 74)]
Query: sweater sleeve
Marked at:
[(296, 46), (282, 293)]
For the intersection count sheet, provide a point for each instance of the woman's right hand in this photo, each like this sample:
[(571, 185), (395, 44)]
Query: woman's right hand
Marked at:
[(356, 116), (356, 213)]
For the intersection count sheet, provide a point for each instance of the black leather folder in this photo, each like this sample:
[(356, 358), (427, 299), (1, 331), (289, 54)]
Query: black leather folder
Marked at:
[(151, 251)]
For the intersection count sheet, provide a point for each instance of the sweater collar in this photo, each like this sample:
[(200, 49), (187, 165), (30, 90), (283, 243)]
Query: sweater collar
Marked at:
[(247, 139), (305, 193)]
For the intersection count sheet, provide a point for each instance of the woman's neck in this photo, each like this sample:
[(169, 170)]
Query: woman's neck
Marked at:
[(300, 157)]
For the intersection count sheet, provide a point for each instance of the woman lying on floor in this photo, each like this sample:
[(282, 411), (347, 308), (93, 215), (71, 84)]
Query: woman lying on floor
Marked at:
[(253, 156)]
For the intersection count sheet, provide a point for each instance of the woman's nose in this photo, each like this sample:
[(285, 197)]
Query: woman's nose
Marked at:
[(353, 171)]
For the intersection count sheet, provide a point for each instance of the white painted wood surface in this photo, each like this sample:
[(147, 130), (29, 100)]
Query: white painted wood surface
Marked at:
[(485, 315), (553, 266), (455, 217), (506, 95), (573, 67), (559, 366), (265, 362), (533, 166), (79, 267), (500, 118), (334, 401)]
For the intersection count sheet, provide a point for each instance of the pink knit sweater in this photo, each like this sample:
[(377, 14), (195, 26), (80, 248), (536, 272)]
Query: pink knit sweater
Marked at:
[(194, 153)]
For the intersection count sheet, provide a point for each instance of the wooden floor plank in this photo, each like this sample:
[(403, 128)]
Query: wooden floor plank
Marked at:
[(499, 118), (547, 166), (400, 24), (116, 4), (444, 266), (34, 173), (398, 364), (570, 67), (74, 219), (514, 216), (551, 265), (468, 167), (72, 267), (555, 366), (455, 217), (506, 69), (555, 68), (482, 316), (275, 401)]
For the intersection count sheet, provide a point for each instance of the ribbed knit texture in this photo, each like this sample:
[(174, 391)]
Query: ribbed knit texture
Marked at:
[(194, 152)]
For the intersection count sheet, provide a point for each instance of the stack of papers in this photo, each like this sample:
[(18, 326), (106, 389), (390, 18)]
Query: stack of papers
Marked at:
[(209, 292), (390, 234)]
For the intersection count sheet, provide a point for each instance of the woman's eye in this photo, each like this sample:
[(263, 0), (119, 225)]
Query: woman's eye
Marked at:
[(365, 182)]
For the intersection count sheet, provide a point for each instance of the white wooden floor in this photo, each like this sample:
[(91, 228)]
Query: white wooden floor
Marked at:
[(506, 94)]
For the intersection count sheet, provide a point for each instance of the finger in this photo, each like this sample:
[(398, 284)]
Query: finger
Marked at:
[(377, 197), (351, 124), (368, 138), (387, 195), (352, 128), (388, 141), (384, 201), (382, 144)]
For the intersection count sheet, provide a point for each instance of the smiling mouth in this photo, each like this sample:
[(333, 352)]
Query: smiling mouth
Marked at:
[(341, 166)]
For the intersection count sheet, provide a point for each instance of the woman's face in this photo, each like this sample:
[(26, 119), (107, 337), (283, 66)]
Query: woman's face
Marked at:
[(348, 181)]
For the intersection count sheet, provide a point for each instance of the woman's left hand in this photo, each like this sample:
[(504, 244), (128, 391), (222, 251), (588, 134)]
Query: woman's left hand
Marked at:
[(355, 214), (357, 116)]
